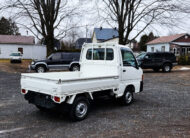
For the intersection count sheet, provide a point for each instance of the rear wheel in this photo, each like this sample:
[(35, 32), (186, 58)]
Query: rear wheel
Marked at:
[(80, 108), (40, 69), (167, 68)]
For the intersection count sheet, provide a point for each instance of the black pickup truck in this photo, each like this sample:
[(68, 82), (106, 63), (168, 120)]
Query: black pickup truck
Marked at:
[(59, 60), (157, 61)]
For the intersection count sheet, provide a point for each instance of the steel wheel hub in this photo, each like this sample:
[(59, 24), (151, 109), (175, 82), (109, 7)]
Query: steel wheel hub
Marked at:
[(81, 110), (128, 97)]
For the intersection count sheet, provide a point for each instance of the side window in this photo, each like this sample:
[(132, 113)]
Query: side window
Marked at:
[(98, 53), (56, 56), (0, 50), (89, 54), (149, 55), (66, 56), (128, 58), (158, 55), (109, 54)]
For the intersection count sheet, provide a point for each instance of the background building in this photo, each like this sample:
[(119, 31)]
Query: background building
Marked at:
[(24, 44), (178, 44)]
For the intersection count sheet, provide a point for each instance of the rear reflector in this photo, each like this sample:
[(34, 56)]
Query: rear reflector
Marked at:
[(57, 99), (23, 91)]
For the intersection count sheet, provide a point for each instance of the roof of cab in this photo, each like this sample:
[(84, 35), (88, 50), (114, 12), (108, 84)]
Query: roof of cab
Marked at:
[(105, 44)]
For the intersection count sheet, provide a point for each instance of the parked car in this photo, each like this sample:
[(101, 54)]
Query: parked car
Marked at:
[(59, 60), (106, 70), (156, 61), (16, 57)]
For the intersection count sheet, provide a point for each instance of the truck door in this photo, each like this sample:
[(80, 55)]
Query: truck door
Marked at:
[(55, 60), (130, 70), (158, 59)]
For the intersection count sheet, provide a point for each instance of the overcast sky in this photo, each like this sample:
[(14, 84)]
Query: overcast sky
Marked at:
[(90, 18)]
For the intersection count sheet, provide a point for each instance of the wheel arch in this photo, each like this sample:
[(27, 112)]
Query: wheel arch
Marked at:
[(74, 63), (40, 64), (167, 62), (71, 99), (130, 87)]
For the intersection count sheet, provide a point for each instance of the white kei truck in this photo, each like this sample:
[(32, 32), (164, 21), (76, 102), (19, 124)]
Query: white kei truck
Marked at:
[(106, 69)]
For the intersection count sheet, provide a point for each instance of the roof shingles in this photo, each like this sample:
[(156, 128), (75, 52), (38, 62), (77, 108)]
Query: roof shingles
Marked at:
[(165, 39), (16, 39), (103, 34)]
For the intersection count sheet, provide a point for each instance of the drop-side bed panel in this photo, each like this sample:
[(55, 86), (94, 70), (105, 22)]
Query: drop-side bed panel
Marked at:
[(59, 86)]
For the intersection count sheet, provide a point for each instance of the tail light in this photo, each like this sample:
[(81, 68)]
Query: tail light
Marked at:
[(142, 77), (23, 91), (57, 99)]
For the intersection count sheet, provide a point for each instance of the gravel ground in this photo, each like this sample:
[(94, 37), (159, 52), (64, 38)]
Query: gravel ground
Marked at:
[(162, 110)]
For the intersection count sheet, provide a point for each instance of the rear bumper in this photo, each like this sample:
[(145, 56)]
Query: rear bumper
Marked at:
[(175, 64), (141, 86)]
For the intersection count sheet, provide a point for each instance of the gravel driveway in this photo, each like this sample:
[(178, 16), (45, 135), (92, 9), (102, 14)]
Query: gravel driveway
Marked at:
[(162, 110)]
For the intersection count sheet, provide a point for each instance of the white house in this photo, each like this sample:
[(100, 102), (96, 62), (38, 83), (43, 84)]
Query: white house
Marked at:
[(24, 44), (178, 44)]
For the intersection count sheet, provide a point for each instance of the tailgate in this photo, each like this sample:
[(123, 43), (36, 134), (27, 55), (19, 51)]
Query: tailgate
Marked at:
[(41, 85)]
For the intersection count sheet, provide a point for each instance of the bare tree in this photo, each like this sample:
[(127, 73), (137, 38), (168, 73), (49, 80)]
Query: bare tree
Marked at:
[(134, 16), (44, 18)]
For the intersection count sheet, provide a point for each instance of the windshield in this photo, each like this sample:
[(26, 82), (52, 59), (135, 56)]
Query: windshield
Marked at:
[(50, 56), (15, 54), (141, 56)]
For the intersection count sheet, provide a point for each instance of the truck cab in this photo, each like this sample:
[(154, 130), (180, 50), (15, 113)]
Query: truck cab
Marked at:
[(106, 69)]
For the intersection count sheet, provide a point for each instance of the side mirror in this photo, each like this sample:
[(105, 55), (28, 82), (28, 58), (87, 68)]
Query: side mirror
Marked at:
[(50, 58)]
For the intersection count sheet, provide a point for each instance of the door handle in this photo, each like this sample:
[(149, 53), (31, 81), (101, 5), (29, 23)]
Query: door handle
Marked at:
[(124, 70)]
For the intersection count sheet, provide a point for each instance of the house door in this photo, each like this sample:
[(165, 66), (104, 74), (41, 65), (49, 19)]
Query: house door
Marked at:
[(20, 50)]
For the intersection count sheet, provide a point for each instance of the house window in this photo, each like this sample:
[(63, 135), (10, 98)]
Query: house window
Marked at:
[(163, 49), (20, 50), (152, 49)]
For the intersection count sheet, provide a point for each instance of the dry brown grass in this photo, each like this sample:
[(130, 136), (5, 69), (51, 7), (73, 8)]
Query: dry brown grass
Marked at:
[(6, 66)]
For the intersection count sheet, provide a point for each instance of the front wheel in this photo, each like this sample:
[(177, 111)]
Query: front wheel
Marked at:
[(127, 98), (80, 108), (167, 68), (40, 69)]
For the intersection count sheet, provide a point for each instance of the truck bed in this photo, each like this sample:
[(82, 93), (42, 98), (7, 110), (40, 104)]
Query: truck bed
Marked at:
[(67, 83)]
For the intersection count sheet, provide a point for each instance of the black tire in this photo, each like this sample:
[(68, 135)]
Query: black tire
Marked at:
[(156, 69), (75, 67), (167, 67), (127, 97), (79, 109), (40, 69)]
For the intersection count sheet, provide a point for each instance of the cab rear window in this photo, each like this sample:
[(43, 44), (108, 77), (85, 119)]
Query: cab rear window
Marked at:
[(100, 54)]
